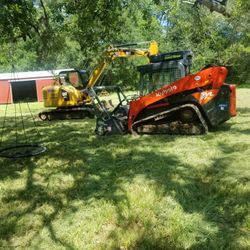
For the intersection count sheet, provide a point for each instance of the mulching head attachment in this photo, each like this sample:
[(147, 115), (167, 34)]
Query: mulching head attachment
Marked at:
[(111, 120)]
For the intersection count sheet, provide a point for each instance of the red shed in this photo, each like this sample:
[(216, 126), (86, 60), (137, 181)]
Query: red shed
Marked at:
[(5, 92), (25, 86)]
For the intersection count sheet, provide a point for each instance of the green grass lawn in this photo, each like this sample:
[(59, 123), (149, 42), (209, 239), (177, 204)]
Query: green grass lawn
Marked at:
[(126, 192)]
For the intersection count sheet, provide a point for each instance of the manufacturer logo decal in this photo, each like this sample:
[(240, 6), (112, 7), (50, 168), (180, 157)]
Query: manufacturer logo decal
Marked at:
[(223, 106), (205, 95), (166, 91)]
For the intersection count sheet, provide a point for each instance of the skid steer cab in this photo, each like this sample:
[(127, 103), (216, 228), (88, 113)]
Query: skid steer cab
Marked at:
[(173, 101)]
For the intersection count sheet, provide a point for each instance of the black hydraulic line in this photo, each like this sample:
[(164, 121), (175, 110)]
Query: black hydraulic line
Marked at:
[(130, 44), (125, 45)]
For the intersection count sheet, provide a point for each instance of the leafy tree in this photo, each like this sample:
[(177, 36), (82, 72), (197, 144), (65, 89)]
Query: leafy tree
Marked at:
[(45, 34)]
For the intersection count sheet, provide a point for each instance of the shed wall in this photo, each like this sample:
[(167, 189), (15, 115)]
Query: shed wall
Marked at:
[(5, 92)]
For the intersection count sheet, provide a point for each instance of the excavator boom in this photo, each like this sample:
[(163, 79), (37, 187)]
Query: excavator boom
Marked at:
[(120, 51)]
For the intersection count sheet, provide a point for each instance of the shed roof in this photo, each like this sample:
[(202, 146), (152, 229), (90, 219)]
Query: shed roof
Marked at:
[(30, 74)]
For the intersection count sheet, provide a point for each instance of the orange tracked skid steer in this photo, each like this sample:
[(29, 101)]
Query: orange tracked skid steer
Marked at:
[(189, 105)]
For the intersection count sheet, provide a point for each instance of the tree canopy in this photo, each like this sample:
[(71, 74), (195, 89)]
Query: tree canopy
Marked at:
[(46, 34)]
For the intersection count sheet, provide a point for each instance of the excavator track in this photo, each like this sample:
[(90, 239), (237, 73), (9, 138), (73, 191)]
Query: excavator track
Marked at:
[(64, 114), (172, 121)]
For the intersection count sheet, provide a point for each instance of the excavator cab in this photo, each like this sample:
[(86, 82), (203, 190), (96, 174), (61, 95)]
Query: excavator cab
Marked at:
[(75, 78), (164, 69), (66, 92)]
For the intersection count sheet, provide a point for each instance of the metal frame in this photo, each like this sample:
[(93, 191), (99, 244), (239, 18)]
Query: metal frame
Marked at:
[(4, 151), (93, 93)]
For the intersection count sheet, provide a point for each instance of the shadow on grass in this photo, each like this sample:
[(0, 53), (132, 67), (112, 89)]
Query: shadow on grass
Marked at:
[(244, 110), (231, 128), (218, 198), (10, 168), (206, 192), (33, 196), (225, 127)]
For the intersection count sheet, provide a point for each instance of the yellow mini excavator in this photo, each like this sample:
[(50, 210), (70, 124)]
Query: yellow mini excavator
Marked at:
[(70, 97)]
